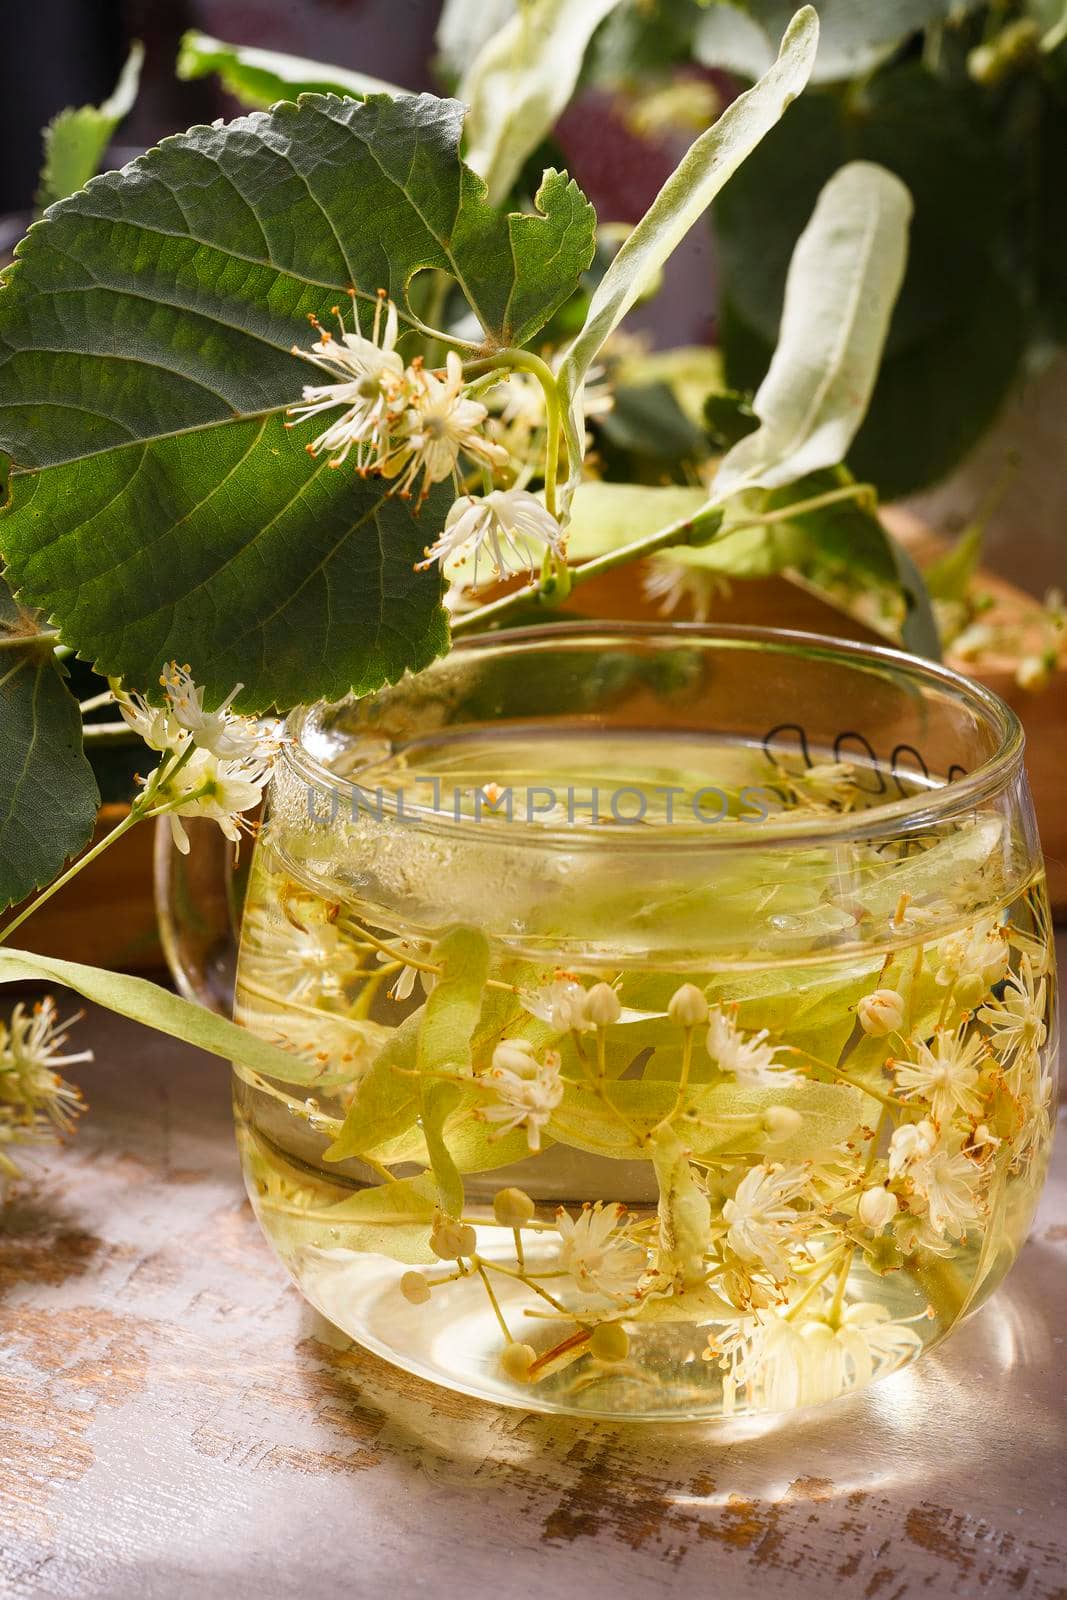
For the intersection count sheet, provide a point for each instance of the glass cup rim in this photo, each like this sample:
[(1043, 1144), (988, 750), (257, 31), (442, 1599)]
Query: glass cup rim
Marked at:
[(909, 814)]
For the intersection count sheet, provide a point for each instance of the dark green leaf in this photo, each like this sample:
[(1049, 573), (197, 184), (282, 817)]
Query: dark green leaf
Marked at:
[(642, 40), (936, 399), (646, 420), (729, 417), (259, 78), (48, 795), (158, 506), (75, 140), (1051, 213), (220, 547)]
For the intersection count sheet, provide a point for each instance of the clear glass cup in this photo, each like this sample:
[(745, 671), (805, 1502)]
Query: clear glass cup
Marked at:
[(671, 1013)]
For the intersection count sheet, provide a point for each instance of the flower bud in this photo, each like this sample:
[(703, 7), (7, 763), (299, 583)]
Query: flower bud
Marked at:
[(688, 1008), (516, 1360), (1033, 674), (877, 1208), (610, 1342), (515, 1055), (912, 1141), (602, 1006), (781, 1122), (451, 1239), (881, 1012), (414, 1288), (512, 1208)]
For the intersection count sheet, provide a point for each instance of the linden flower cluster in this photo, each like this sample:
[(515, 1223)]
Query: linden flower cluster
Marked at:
[(787, 1183), (414, 427), (215, 763), (36, 1102)]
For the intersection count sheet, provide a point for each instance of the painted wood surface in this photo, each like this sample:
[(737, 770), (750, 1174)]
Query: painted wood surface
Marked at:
[(175, 1422)]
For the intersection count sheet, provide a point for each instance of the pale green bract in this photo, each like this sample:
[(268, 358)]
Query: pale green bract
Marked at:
[(387, 1104), (829, 1112), (75, 139), (146, 1002), (843, 282), (856, 34), (520, 82), (259, 78), (450, 1017), (392, 1219), (465, 27), (706, 167)]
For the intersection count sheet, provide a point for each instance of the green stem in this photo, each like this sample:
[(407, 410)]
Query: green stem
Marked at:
[(825, 1268), (833, 1315), (676, 533), (526, 361), (683, 1076), (845, 1077), (137, 812), (97, 702), (107, 733), (524, 1278), (133, 816), (493, 1301)]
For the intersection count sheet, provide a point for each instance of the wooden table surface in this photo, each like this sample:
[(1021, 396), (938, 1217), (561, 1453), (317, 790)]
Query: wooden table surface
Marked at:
[(175, 1422)]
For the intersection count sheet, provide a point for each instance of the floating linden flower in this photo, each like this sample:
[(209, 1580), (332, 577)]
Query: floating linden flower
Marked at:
[(779, 1364), (749, 1057), (764, 1225), (945, 1074), (526, 1091), (597, 1253), (1016, 1021), (946, 1185)]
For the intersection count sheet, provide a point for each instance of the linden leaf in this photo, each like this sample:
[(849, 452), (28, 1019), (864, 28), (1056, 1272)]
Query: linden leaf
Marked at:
[(48, 794), (158, 506)]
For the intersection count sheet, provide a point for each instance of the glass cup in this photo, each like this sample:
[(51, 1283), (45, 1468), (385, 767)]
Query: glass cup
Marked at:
[(670, 1012)]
